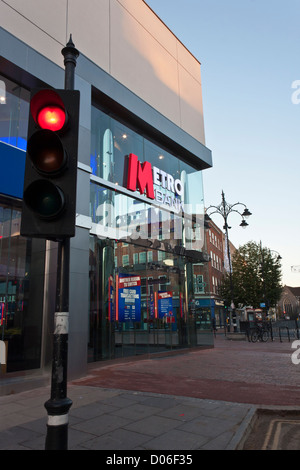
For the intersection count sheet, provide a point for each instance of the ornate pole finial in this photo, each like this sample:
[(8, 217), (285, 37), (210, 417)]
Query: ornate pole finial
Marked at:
[(70, 54)]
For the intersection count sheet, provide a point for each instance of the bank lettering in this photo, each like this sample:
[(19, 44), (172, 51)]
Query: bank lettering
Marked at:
[(159, 185)]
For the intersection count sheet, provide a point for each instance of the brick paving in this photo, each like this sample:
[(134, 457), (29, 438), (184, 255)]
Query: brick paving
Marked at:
[(234, 371)]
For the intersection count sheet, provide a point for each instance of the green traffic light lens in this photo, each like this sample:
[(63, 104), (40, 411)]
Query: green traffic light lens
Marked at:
[(44, 198)]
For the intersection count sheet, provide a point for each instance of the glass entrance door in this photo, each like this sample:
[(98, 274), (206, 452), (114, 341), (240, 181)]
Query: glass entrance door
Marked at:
[(138, 302)]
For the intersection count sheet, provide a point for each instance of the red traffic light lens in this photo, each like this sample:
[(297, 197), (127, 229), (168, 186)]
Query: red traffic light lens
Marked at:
[(52, 118), (48, 110)]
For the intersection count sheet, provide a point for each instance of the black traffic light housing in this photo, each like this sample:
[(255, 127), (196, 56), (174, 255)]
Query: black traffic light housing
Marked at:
[(49, 196)]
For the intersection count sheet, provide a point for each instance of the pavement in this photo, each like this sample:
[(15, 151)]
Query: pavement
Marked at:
[(235, 396)]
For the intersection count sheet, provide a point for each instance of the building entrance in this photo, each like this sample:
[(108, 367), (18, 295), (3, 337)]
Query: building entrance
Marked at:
[(138, 301)]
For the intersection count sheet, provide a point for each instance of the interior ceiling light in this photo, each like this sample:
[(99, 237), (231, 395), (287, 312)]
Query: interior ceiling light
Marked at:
[(2, 92)]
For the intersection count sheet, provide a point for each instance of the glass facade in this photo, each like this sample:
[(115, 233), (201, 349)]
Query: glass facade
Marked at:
[(21, 291), (112, 142), (143, 283), (21, 259), (14, 109)]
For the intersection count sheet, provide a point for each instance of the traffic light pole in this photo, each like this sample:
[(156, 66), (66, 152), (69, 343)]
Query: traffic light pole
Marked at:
[(59, 404)]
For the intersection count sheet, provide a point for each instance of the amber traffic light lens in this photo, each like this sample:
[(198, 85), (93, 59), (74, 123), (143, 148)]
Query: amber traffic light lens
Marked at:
[(46, 152)]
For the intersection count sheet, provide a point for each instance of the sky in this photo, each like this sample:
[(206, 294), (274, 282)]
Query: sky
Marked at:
[(249, 52)]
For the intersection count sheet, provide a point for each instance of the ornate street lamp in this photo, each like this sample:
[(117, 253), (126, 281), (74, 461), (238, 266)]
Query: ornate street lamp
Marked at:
[(225, 209)]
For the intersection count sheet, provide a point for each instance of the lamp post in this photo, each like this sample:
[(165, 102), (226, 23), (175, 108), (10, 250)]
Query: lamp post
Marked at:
[(225, 209)]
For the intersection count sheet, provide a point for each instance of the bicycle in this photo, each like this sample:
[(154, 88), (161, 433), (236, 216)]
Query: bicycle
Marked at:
[(259, 334)]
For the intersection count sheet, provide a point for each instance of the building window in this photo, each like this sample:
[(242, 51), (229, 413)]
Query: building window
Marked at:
[(14, 110), (125, 260), (112, 141), (198, 284), (161, 255), (143, 285), (164, 283), (150, 284)]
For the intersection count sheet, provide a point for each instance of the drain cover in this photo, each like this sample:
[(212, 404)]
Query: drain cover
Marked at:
[(274, 430)]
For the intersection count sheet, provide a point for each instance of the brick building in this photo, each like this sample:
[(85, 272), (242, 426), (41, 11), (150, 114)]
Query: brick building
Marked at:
[(289, 303)]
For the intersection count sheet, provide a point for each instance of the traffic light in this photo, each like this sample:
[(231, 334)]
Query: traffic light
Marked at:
[(49, 195)]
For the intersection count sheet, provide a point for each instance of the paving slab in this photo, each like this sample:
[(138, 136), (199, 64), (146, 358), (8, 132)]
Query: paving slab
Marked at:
[(150, 421), (194, 400)]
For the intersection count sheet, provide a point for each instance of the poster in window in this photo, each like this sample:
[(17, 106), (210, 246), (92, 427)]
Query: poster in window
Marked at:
[(129, 298), (165, 306)]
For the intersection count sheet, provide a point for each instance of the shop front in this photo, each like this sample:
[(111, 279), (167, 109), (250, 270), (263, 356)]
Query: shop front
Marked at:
[(138, 260), (147, 234), (146, 244)]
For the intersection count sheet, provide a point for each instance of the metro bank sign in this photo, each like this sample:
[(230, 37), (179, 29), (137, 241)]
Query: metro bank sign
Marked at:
[(157, 183)]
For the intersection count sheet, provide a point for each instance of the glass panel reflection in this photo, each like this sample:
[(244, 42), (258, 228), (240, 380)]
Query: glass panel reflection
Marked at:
[(21, 274), (143, 300), (118, 216), (148, 266), (111, 144), (14, 107)]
